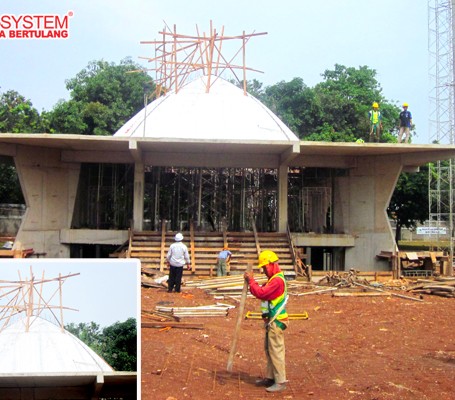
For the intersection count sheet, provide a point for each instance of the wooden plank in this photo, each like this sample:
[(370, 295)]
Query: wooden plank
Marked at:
[(168, 324), (239, 322), (163, 244), (193, 255)]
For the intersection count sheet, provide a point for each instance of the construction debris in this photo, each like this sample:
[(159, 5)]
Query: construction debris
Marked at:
[(389, 293), (154, 279), (157, 324), (342, 279), (444, 287), (218, 310)]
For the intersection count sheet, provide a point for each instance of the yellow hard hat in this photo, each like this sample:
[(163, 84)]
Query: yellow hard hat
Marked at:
[(375, 105), (266, 257), (405, 104)]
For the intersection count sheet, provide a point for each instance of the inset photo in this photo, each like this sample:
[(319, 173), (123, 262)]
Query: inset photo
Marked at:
[(68, 328)]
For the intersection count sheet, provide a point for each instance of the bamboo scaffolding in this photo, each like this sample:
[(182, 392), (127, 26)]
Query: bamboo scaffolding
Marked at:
[(177, 56), (22, 299)]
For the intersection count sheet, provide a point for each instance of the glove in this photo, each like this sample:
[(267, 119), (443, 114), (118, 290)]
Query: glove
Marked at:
[(248, 276)]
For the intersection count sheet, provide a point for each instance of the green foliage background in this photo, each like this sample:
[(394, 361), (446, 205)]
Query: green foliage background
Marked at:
[(116, 344)]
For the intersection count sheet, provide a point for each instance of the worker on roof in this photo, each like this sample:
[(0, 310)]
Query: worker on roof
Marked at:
[(375, 118), (177, 257), (274, 297), (224, 256), (405, 124)]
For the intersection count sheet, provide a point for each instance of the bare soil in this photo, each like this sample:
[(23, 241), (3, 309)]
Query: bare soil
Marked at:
[(350, 348)]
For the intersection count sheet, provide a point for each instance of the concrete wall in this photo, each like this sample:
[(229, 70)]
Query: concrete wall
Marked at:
[(361, 201), (11, 218), (49, 187)]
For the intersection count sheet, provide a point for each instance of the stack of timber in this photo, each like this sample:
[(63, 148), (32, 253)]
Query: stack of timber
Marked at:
[(444, 287), (217, 310), (151, 248), (165, 321), (226, 286)]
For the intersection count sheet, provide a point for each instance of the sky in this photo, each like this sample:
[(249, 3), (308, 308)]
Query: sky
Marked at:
[(105, 291), (304, 38)]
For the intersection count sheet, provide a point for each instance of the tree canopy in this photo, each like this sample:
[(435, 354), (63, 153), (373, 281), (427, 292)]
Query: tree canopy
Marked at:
[(103, 96), (335, 109), (117, 343), (409, 203), (17, 114)]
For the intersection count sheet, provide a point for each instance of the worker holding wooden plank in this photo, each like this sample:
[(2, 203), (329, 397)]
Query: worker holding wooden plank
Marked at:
[(274, 297)]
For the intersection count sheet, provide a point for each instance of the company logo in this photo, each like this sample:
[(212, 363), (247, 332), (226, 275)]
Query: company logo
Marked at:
[(35, 26)]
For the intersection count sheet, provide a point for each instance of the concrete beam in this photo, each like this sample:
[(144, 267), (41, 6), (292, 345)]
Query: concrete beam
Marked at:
[(135, 150), (287, 156), (323, 240), (8, 149), (212, 160), (97, 386), (76, 156), (314, 161), (93, 236)]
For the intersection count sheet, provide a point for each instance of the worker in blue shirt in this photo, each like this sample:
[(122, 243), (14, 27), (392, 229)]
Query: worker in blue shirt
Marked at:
[(405, 124), (223, 259)]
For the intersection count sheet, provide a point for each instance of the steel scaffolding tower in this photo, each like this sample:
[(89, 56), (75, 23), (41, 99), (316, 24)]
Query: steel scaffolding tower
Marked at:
[(441, 121)]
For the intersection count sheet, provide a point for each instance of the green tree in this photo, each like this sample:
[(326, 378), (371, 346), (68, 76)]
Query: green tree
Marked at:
[(89, 333), (17, 114), (346, 95), (409, 203), (117, 343), (103, 97), (336, 109), (295, 104)]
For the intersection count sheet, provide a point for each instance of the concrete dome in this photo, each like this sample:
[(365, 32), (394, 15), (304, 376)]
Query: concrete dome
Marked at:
[(45, 349), (224, 113)]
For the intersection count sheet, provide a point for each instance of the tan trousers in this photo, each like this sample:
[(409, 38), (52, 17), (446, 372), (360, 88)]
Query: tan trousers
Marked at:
[(275, 352), (405, 130)]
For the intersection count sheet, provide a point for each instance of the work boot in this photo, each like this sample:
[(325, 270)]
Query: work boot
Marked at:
[(277, 387), (264, 382)]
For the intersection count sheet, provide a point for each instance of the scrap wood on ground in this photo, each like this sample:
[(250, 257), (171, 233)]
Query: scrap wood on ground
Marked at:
[(442, 286)]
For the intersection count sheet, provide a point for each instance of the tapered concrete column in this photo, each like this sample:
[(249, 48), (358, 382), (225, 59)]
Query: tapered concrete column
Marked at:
[(282, 198), (138, 201), (361, 210)]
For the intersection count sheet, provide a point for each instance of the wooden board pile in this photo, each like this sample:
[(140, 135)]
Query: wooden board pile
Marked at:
[(223, 286), (444, 287), (216, 310), (165, 321)]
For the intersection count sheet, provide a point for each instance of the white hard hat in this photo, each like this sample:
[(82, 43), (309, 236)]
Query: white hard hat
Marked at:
[(178, 237)]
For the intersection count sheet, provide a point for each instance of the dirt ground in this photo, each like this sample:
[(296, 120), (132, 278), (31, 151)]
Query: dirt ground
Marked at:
[(349, 348)]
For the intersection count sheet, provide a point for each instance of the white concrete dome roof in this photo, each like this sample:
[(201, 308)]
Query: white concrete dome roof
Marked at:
[(224, 113), (45, 348)]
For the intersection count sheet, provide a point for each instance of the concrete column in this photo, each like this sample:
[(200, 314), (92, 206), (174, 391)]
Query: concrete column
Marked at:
[(282, 198), (138, 200), (49, 187), (367, 194)]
